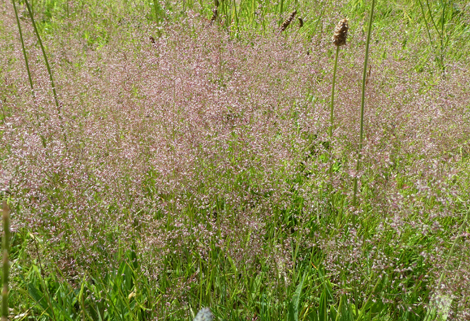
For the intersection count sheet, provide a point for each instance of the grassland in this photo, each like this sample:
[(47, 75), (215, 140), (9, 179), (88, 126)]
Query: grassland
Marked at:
[(174, 155)]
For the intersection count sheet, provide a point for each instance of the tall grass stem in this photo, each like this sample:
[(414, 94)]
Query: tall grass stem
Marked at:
[(51, 79), (23, 48), (56, 100), (330, 130), (6, 261), (426, 24), (363, 99)]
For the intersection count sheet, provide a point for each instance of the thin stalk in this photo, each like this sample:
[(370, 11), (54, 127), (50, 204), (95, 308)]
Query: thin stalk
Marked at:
[(6, 261), (330, 130), (459, 234), (236, 17), (30, 78), (253, 9), (281, 5), (155, 10), (41, 277), (56, 99), (432, 19), (363, 99), (44, 54), (426, 23), (23, 48), (340, 309), (443, 18)]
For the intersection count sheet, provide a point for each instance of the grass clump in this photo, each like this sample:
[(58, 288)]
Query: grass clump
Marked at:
[(201, 168)]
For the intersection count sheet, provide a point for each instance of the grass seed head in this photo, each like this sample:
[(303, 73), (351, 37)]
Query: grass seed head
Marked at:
[(288, 20), (215, 13), (341, 33)]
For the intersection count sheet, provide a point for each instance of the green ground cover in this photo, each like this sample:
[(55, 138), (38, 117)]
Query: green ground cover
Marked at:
[(174, 155)]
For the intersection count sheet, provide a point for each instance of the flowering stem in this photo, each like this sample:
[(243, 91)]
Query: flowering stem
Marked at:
[(364, 75), (330, 130)]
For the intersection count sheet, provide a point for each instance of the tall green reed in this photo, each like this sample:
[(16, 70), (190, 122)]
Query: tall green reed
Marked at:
[(6, 261), (339, 39), (49, 71), (23, 48), (363, 99)]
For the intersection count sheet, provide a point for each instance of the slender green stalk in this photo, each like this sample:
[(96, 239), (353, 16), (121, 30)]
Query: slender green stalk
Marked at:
[(6, 261), (44, 55), (364, 76), (23, 48), (339, 38), (432, 18), (330, 130), (56, 99), (156, 10), (253, 9), (439, 32), (235, 13), (441, 277), (26, 61), (426, 23), (40, 274), (443, 18)]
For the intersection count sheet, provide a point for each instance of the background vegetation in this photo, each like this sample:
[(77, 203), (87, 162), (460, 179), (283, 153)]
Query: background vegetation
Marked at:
[(184, 160)]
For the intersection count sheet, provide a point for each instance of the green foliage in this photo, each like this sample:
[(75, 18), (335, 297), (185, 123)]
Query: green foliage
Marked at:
[(118, 295)]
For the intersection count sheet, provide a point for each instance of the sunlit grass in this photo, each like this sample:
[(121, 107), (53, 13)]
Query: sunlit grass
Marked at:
[(194, 167)]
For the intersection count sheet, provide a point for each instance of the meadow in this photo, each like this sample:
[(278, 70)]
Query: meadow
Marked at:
[(161, 157)]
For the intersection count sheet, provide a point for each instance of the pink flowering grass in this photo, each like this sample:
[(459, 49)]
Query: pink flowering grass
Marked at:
[(199, 163)]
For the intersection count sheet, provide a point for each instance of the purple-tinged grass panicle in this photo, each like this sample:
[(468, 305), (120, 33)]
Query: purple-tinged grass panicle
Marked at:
[(200, 136)]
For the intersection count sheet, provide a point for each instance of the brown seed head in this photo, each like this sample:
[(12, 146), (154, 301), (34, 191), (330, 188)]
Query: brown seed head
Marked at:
[(215, 13), (288, 20), (341, 33)]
